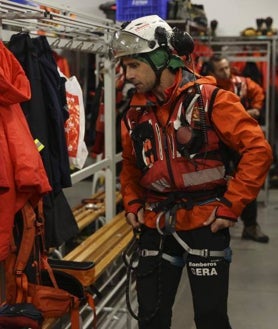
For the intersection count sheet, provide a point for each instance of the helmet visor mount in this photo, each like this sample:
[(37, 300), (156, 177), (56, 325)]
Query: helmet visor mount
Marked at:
[(125, 44)]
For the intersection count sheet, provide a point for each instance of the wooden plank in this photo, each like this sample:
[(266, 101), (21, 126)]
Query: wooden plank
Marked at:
[(85, 216), (88, 216), (97, 239), (103, 247), (103, 264), (109, 246)]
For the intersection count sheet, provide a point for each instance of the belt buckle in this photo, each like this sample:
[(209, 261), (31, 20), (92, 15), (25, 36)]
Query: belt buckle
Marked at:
[(206, 253), (144, 252)]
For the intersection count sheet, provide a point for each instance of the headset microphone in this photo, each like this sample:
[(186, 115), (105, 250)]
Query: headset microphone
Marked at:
[(181, 41)]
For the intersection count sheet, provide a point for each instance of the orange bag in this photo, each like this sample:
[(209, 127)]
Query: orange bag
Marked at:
[(52, 302), (54, 293)]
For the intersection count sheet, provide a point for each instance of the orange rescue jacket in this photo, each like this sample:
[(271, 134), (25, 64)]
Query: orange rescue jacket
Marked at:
[(154, 166)]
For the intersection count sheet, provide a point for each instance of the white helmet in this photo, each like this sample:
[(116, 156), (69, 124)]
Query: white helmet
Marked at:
[(141, 36)]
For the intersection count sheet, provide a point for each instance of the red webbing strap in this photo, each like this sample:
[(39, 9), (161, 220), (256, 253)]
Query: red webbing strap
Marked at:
[(26, 245), (43, 259), (9, 263), (74, 314), (75, 317), (22, 288), (47, 267), (91, 303), (28, 237)]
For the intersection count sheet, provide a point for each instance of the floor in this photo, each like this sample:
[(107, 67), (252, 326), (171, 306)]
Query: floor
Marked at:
[(253, 298)]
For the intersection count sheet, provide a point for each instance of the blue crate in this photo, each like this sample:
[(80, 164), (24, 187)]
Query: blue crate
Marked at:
[(127, 10)]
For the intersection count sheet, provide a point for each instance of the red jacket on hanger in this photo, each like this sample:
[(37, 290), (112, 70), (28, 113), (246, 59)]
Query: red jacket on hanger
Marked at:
[(22, 170)]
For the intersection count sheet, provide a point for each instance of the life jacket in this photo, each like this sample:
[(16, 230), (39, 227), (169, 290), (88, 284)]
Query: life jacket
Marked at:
[(168, 165)]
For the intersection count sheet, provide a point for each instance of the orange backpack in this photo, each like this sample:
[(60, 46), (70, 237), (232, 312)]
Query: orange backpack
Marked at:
[(30, 279)]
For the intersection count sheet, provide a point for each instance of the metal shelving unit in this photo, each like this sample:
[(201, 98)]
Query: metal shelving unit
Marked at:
[(79, 32)]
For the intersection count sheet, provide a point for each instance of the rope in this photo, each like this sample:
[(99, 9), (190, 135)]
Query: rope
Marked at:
[(131, 268)]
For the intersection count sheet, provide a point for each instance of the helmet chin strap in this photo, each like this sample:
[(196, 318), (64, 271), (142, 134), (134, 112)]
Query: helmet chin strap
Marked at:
[(157, 71)]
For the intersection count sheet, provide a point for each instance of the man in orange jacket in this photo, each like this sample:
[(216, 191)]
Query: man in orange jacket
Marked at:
[(252, 98), (176, 194)]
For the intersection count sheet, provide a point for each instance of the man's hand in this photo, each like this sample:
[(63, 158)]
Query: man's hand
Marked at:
[(135, 221), (217, 224)]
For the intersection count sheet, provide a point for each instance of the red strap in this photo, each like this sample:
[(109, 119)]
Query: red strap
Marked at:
[(91, 303), (47, 267), (74, 316), (22, 288), (28, 237), (26, 245)]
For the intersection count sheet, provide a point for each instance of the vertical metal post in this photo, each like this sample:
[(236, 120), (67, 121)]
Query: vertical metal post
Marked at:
[(267, 114), (1, 29), (273, 135), (110, 137)]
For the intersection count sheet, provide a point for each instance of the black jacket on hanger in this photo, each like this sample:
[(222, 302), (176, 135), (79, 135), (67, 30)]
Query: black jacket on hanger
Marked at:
[(46, 114)]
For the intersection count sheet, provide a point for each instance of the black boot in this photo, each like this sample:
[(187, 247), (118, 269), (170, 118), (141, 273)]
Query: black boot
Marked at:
[(254, 233)]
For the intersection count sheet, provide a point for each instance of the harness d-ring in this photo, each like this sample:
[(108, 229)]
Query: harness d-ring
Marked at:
[(158, 222)]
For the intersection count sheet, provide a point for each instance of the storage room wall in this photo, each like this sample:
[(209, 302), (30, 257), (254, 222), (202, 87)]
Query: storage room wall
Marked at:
[(233, 15)]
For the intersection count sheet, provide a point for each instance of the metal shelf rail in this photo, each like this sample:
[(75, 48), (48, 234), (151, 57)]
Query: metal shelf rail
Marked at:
[(80, 32)]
